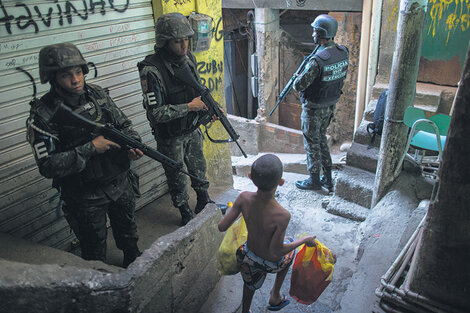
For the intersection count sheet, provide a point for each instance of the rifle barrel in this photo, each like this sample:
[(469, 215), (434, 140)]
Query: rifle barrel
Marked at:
[(185, 75), (113, 134)]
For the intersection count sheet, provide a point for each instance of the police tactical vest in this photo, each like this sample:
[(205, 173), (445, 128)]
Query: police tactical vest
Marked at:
[(100, 168), (333, 64), (176, 93)]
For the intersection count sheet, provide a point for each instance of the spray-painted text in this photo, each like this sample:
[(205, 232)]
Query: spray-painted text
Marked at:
[(32, 16)]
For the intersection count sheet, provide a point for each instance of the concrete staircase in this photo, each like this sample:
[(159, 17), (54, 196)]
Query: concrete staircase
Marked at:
[(355, 181)]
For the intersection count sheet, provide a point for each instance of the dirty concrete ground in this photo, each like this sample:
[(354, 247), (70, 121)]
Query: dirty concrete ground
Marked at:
[(307, 216)]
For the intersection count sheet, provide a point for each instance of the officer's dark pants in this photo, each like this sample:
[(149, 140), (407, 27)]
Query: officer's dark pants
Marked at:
[(89, 225), (188, 150), (314, 125)]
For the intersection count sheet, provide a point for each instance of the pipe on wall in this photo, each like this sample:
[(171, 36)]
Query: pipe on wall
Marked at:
[(374, 47), (363, 60)]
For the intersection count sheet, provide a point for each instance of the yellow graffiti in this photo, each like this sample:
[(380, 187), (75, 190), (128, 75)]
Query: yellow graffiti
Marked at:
[(465, 22), (459, 19), (393, 17)]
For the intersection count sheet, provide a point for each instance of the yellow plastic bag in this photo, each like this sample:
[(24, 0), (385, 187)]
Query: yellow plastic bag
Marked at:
[(311, 273), (235, 236)]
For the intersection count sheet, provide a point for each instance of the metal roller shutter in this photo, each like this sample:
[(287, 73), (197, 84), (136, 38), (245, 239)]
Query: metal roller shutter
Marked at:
[(114, 35)]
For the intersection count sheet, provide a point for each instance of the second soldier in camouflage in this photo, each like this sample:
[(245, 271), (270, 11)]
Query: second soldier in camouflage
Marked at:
[(173, 110), (319, 86)]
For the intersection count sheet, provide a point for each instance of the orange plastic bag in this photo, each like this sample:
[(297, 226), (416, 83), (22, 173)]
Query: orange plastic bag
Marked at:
[(235, 236), (311, 273)]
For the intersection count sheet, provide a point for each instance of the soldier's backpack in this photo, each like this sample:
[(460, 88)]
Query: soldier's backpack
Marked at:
[(376, 127)]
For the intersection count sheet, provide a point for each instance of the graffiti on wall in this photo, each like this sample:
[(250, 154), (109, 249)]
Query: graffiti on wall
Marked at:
[(456, 20), (453, 15), (212, 72), (65, 11), (178, 3), (217, 33), (393, 14)]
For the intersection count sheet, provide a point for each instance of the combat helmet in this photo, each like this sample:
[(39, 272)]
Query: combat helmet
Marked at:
[(325, 26), (171, 26), (59, 56)]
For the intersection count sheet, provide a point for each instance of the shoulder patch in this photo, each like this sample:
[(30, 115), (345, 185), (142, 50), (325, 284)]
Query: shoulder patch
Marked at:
[(40, 150)]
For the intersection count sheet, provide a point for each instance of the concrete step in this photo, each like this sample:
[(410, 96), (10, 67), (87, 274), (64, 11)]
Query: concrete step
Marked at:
[(294, 163), (360, 156), (369, 111), (428, 96), (349, 210), (362, 136), (355, 185)]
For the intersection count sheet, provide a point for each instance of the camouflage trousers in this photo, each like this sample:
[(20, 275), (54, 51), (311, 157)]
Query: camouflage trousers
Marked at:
[(88, 221), (314, 125), (186, 149)]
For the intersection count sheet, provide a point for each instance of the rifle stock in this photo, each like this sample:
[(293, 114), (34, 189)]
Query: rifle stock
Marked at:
[(184, 74), (64, 113)]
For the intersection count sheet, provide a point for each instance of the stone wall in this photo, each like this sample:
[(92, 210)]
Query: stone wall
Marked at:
[(258, 137), (176, 274), (349, 34)]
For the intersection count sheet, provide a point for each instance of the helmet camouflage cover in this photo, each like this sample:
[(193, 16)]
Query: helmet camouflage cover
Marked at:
[(325, 26), (171, 26), (59, 56)]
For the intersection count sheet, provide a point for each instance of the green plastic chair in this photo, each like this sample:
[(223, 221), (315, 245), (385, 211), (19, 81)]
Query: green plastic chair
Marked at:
[(426, 133)]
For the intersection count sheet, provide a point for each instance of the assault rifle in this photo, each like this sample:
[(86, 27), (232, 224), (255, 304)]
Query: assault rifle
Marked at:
[(64, 113), (184, 74), (290, 83)]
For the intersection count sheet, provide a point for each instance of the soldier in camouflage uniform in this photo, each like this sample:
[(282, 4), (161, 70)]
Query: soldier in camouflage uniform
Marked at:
[(319, 86), (92, 173), (174, 109)]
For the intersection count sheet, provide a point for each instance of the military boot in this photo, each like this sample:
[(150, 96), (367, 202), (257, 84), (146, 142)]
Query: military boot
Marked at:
[(130, 255), (202, 199), (186, 214), (326, 179), (311, 183)]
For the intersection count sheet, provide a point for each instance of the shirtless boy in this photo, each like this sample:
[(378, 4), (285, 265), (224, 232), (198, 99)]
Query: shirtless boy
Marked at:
[(266, 250)]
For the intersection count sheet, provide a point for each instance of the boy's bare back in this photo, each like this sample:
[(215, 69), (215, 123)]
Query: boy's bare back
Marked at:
[(266, 221)]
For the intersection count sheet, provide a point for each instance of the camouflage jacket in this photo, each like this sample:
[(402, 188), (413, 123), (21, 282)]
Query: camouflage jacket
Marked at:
[(67, 155), (165, 98)]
